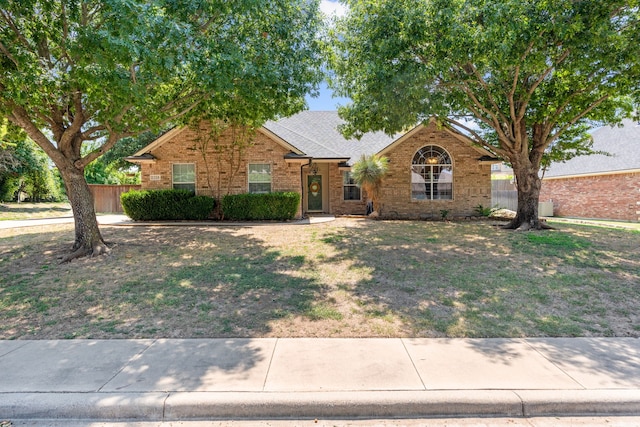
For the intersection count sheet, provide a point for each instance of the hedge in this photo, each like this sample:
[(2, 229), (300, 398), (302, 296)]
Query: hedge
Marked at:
[(153, 205), (279, 206)]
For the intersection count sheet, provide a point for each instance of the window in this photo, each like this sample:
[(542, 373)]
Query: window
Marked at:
[(184, 176), (259, 178), (431, 174), (350, 190)]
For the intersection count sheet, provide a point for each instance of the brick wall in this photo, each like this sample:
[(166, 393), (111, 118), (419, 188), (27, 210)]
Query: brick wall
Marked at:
[(614, 196), (471, 179), (214, 178), (339, 206)]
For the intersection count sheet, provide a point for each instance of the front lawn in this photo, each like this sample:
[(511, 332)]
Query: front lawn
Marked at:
[(347, 278)]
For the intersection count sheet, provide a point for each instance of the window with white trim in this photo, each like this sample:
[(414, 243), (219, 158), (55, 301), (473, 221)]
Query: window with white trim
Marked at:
[(259, 178), (184, 176), (431, 174), (350, 190)]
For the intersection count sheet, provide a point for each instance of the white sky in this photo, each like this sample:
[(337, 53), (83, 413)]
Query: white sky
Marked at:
[(332, 7)]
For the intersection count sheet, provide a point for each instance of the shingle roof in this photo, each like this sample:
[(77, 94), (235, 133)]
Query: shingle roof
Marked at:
[(316, 134), (623, 143)]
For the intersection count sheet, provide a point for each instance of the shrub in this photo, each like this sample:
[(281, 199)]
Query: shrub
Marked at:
[(484, 211), (258, 207), (152, 205)]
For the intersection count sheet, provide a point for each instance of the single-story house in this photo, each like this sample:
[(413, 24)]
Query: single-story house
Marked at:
[(430, 170), (599, 186)]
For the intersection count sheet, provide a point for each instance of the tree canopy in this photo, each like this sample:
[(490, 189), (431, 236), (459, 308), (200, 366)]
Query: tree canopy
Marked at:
[(524, 79), (77, 72)]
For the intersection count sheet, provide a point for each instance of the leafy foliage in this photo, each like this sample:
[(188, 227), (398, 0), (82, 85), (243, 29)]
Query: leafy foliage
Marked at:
[(280, 206), (484, 210), (531, 76), (25, 169), (152, 205), (79, 72), (368, 173)]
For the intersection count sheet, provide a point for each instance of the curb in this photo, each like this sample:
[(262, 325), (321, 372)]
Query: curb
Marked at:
[(265, 405)]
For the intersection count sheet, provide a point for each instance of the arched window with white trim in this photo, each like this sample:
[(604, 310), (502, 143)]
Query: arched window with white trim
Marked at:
[(432, 174)]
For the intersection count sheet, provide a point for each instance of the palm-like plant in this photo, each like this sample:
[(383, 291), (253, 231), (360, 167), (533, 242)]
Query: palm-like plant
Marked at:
[(368, 173)]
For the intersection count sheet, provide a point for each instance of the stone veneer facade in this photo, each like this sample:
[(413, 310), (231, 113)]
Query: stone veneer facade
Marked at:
[(610, 196)]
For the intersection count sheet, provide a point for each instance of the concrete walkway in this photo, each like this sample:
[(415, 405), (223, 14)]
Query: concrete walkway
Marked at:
[(267, 378)]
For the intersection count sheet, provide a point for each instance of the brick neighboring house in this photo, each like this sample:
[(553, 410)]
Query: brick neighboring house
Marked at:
[(599, 186), (430, 170)]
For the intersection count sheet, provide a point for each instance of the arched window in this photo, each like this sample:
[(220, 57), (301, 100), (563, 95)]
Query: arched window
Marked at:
[(431, 174)]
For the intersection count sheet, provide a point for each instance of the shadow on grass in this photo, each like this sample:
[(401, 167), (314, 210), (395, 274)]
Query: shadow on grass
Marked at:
[(181, 282), (33, 209), (458, 280)]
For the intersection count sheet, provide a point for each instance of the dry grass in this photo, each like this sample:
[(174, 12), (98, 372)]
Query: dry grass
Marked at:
[(347, 278), (11, 211)]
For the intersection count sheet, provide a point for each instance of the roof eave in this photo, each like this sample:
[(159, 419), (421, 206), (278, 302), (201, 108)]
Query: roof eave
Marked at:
[(143, 158), (280, 141), (159, 141), (590, 174)]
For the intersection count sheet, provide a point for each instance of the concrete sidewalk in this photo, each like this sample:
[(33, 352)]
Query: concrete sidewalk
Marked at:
[(270, 378)]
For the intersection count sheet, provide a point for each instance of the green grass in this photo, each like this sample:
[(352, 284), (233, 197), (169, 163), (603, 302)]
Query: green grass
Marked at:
[(346, 278)]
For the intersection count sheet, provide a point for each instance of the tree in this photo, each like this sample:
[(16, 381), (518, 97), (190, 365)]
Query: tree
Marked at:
[(95, 71), (368, 173), (524, 79), (24, 168)]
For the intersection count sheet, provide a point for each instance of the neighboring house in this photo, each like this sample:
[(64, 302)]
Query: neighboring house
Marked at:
[(599, 186), (430, 170)]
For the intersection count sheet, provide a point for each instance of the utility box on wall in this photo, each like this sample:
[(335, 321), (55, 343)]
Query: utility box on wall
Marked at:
[(545, 208)]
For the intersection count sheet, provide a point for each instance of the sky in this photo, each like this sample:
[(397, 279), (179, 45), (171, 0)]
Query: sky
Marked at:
[(326, 101)]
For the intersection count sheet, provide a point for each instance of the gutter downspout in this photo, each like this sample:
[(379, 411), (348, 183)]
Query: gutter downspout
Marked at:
[(302, 186)]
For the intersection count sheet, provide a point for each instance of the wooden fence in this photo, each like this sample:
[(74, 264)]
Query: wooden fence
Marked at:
[(107, 197), (504, 194)]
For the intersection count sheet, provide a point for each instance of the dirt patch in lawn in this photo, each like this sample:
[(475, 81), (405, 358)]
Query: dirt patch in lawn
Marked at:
[(347, 278)]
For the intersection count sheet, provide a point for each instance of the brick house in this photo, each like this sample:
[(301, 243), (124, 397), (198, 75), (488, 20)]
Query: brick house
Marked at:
[(430, 170), (599, 186)]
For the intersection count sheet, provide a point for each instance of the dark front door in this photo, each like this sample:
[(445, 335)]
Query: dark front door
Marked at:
[(314, 193)]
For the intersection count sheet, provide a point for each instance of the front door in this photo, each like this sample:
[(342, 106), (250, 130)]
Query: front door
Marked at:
[(314, 193)]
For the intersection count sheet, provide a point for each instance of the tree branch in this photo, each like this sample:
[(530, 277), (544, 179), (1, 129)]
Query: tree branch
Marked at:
[(7, 18), (6, 52), (493, 123), (575, 119), (485, 86), (450, 127), (87, 134), (538, 82), (556, 114), (20, 117), (111, 141), (78, 120)]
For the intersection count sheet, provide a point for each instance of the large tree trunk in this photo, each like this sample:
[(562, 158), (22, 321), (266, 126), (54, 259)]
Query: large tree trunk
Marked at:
[(88, 240), (528, 184)]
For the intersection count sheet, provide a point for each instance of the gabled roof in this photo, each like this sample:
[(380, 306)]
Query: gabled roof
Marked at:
[(486, 156), (316, 134), (313, 135), (623, 145)]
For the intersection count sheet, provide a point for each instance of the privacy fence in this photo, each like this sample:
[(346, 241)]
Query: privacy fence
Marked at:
[(504, 194), (106, 198)]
